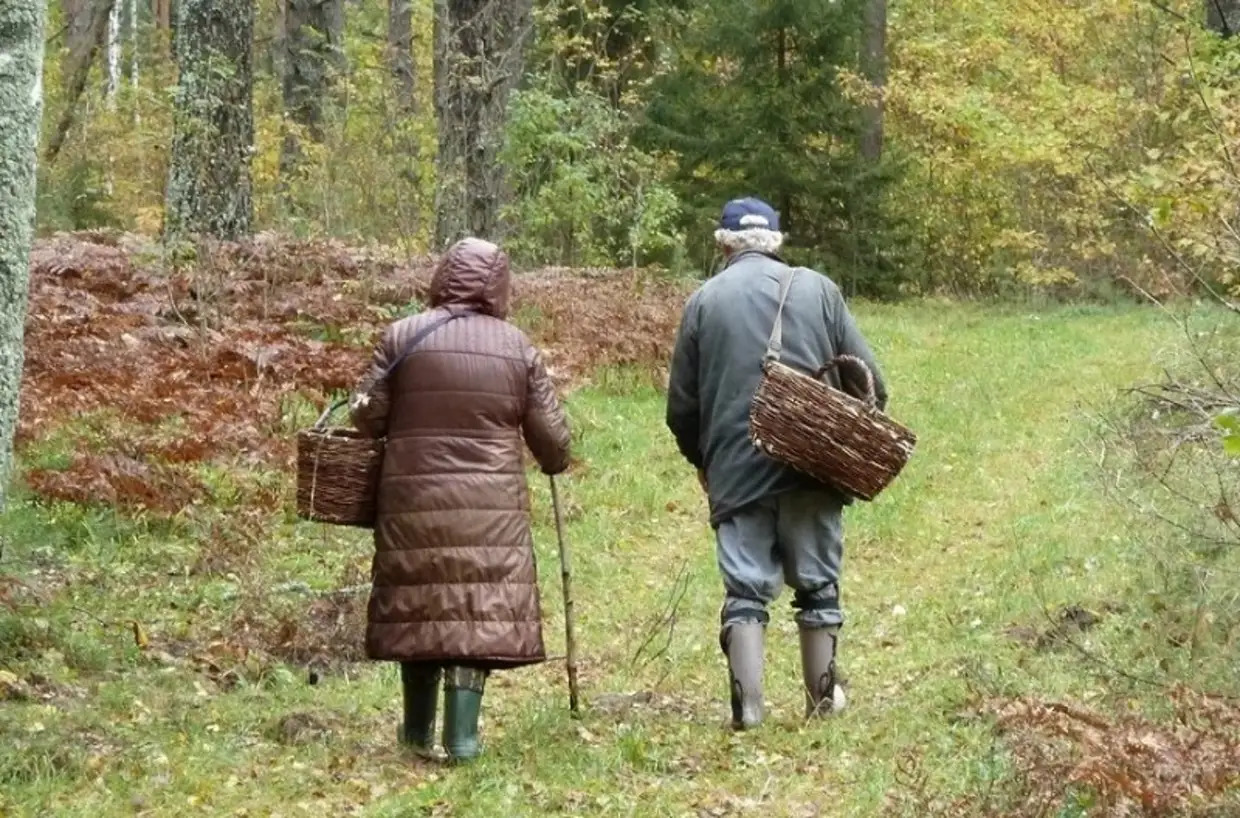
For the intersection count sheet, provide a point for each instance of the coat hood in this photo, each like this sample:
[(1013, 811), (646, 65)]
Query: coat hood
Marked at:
[(473, 273)]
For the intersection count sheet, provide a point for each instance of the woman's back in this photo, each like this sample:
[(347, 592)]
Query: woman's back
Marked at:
[(454, 575)]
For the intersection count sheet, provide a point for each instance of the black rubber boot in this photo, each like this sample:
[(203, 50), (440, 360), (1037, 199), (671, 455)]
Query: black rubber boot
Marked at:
[(823, 695), (743, 645), (420, 688), (463, 689)]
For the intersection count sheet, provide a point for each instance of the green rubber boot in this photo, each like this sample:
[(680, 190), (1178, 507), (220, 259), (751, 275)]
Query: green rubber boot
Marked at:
[(462, 704), (420, 687)]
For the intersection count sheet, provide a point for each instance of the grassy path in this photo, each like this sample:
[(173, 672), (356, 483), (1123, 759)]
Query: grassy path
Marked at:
[(997, 516)]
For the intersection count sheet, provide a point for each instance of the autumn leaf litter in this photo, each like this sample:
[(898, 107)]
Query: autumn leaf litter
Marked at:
[(157, 369)]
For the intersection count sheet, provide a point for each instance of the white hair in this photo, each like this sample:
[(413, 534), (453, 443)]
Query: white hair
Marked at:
[(760, 239)]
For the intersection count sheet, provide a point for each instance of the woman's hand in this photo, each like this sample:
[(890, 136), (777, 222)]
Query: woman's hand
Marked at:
[(702, 480)]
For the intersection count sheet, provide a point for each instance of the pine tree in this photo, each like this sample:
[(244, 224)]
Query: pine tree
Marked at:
[(754, 105), (479, 58), (209, 183)]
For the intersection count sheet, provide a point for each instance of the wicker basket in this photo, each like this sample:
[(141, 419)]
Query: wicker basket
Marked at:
[(337, 474), (838, 437), (828, 434), (338, 468)]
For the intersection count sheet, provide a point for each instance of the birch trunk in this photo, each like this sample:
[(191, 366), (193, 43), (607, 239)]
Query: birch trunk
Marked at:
[(21, 105), (133, 45), (114, 53)]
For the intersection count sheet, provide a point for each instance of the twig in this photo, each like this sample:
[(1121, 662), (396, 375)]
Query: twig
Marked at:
[(667, 617)]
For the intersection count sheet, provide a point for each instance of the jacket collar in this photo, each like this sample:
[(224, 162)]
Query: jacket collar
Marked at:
[(744, 254)]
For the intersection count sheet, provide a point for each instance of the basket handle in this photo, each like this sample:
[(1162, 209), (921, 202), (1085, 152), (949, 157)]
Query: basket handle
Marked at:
[(318, 424), (871, 398), (405, 353)]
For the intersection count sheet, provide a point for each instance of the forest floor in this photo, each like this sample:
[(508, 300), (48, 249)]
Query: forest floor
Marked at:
[(174, 641)]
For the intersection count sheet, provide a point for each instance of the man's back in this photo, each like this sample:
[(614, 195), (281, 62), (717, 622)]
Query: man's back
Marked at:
[(718, 366)]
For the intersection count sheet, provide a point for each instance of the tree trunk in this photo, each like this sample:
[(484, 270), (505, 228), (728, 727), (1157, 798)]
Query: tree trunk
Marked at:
[(162, 12), (1223, 16), (874, 69), (134, 47), (21, 106), (209, 190), (78, 37), (114, 54), (313, 34), (479, 54), (400, 53), (77, 68)]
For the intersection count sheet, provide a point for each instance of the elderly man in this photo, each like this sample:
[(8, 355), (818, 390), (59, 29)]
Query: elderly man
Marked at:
[(771, 523)]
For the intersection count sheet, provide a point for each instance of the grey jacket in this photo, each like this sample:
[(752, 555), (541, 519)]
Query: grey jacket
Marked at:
[(717, 366)]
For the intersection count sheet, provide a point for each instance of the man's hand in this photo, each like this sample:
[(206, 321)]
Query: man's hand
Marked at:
[(702, 480), (360, 401)]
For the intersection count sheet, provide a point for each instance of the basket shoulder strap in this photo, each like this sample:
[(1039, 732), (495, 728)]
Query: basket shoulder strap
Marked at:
[(775, 345), (420, 336)]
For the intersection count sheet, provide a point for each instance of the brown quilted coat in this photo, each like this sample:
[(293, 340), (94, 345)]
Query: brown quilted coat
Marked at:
[(453, 579)]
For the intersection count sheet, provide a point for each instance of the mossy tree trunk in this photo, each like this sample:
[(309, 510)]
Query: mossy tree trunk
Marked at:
[(400, 54), (209, 187), (21, 107), (479, 56), (1223, 16), (313, 56)]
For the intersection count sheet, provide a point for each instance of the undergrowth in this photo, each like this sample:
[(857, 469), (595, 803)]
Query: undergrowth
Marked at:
[(998, 645)]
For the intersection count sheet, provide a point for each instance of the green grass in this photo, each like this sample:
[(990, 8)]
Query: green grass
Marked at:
[(997, 520)]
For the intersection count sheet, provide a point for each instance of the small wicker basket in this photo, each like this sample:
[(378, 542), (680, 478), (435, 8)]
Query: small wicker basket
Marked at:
[(337, 474), (836, 436)]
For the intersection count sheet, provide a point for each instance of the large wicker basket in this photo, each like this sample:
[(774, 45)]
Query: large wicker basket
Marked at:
[(337, 474), (837, 436), (828, 434)]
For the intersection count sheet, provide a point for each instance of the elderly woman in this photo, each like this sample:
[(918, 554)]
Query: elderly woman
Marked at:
[(456, 390)]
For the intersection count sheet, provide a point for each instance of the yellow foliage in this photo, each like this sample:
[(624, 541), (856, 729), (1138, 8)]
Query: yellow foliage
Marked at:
[(1020, 119)]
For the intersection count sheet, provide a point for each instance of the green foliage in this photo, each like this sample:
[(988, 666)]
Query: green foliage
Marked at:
[(1075, 149), (1229, 423), (583, 194), (754, 104)]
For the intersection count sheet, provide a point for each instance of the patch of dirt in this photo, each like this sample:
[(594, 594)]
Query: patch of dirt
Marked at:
[(302, 728), (1069, 621)]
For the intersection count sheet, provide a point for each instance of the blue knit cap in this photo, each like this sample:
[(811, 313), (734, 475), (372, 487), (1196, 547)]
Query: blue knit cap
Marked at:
[(749, 213)]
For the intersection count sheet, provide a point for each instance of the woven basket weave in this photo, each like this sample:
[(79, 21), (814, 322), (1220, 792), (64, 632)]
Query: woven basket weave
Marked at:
[(338, 476), (838, 437), (832, 436)]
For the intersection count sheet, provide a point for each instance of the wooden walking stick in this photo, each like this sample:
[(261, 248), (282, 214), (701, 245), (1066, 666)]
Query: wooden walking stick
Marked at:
[(566, 574)]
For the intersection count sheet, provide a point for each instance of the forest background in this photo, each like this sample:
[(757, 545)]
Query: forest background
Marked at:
[(1032, 206)]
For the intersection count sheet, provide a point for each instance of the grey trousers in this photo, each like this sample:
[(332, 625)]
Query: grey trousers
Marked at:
[(797, 538)]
